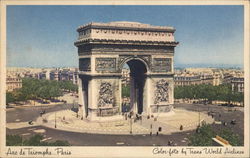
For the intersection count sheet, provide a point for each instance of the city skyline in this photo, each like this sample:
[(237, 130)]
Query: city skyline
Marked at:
[(45, 35)]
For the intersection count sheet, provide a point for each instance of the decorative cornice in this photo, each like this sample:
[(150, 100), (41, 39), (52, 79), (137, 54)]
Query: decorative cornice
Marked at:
[(125, 42), (91, 75), (126, 26)]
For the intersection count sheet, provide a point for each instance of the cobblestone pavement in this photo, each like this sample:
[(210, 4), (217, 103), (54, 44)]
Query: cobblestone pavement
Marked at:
[(67, 120)]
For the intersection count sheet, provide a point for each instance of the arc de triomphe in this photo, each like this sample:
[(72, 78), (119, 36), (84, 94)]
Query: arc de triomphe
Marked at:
[(104, 48)]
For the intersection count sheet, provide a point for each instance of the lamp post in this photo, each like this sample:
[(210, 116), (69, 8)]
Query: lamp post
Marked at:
[(151, 129), (199, 115), (55, 119), (131, 117)]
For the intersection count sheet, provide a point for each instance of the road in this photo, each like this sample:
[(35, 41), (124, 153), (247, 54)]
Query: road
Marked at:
[(25, 114), (84, 139)]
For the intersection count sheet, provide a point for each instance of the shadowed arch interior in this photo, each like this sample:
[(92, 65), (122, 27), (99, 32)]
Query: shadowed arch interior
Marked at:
[(137, 83)]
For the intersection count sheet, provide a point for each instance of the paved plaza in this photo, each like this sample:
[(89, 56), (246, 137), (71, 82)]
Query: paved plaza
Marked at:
[(67, 120)]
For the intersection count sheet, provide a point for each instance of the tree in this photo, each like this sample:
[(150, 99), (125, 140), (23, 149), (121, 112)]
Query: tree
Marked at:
[(205, 133), (208, 92), (178, 92), (10, 98), (203, 136), (33, 89), (14, 140), (35, 140), (125, 91), (224, 93), (232, 138)]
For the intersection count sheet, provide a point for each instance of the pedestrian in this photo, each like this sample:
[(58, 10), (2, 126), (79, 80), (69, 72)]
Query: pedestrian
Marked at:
[(170, 143), (159, 129), (157, 133), (30, 122), (181, 127)]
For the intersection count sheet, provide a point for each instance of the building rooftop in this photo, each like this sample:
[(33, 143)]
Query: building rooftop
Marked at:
[(127, 25)]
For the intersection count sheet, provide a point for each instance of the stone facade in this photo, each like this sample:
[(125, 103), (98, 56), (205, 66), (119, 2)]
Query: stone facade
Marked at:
[(104, 48), (13, 82)]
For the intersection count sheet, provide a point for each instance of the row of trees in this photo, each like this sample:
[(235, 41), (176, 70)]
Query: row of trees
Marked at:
[(208, 92), (33, 89), (205, 133), (205, 92)]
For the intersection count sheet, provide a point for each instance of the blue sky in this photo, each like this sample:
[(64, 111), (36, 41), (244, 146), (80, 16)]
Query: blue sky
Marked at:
[(43, 36)]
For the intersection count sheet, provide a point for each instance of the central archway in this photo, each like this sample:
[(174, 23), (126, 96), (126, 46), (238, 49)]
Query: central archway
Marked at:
[(138, 71)]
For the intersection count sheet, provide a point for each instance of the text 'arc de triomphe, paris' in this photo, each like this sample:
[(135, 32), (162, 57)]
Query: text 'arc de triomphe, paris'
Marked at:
[(104, 48)]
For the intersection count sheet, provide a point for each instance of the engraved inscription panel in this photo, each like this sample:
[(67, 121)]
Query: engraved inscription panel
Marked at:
[(105, 64), (162, 64)]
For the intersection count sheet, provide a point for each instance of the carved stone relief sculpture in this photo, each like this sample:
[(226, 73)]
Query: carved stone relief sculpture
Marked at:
[(161, 91), (106, 98), (105, 64)]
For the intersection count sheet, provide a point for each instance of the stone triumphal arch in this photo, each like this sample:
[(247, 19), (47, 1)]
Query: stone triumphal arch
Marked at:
[(104, 48)]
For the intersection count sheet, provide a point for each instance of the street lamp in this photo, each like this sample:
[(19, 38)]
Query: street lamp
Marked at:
[(199, 115), (151, 129), (55, 119), (131, 117)]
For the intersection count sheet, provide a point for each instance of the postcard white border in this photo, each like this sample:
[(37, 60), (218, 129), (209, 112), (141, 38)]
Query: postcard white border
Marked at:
[(122, 151)]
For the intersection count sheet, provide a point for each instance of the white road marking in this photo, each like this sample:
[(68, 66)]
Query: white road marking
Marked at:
[(25, 134), (46, 139), (39, 131)]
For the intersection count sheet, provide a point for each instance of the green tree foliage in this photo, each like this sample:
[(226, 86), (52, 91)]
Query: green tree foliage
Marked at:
[(10, 97), (228, 135), (208, 92), (33, 141), (36, 140), (40, 89), (205, 133), (125, 91), (68, 86), (14, 140), (203, 136)]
